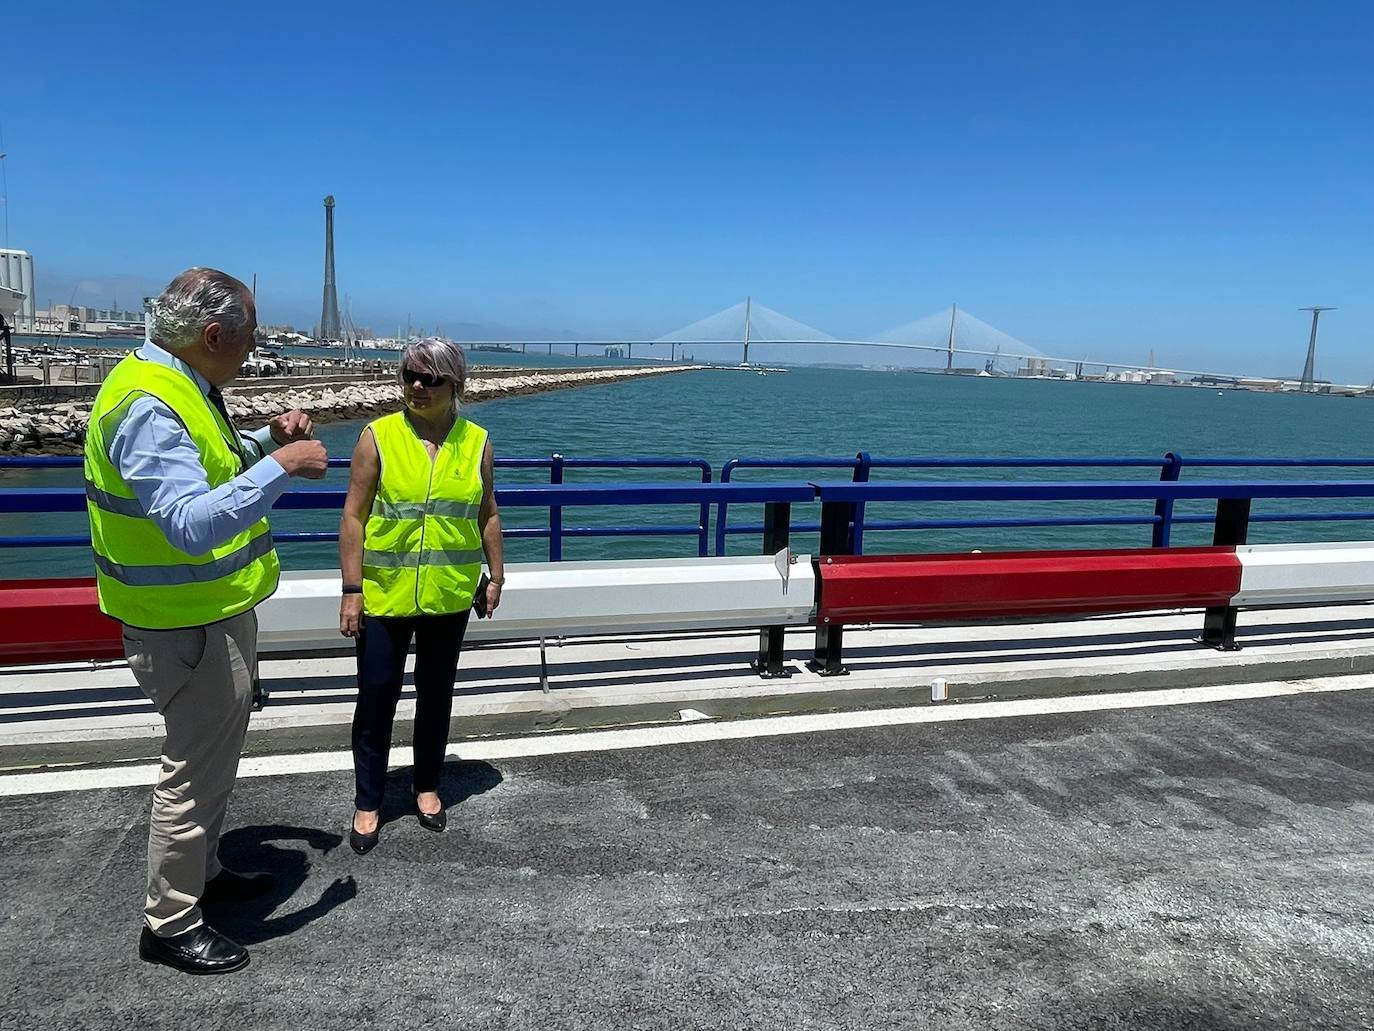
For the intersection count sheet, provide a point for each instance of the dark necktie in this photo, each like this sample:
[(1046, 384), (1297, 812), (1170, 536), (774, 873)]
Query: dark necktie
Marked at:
[(217, 399)]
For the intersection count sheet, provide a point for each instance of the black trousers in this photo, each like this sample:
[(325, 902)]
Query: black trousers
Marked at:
[(382, 649)]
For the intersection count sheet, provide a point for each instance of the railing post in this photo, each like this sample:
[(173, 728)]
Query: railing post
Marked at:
[(721, 508), (704, 517), (1232, 526), (837, 522), (1164, 507), (555, 511), (863, 461), (777, 531)]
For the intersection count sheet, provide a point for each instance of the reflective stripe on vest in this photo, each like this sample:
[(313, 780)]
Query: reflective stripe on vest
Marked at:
[(142, 579), (454, 509), (428, 557), (164, 576), (114, 503), (422, 549)]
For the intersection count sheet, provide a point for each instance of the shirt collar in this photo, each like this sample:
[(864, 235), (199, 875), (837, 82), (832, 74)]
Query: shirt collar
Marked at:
[(153, 353)]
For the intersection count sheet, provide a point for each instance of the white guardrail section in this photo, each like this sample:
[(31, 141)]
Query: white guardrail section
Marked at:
[(554, 599), (1305, 574)]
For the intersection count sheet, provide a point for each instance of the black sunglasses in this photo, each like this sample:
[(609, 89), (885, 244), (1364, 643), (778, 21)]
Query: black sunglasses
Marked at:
[(425, 379)]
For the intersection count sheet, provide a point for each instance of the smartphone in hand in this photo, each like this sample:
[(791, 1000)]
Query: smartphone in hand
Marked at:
[(479, 597)]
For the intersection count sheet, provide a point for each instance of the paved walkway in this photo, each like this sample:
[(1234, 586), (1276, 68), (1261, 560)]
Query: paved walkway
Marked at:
[(1198, 866)]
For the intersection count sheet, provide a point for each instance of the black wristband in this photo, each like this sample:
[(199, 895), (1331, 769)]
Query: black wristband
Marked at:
[(353, 588)]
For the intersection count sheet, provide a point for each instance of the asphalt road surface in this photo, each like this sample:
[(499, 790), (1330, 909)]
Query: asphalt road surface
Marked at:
[(1193, 867)]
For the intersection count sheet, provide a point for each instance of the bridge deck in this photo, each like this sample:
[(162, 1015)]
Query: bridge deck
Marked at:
[(1202, 866)]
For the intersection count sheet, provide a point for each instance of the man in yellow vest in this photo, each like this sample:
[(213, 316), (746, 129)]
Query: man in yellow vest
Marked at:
[(178, 500)]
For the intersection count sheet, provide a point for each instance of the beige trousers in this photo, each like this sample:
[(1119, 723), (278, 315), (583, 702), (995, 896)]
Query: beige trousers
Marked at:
[(201, 680)]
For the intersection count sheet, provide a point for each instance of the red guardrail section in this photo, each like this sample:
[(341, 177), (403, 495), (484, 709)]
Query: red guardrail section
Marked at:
[(52, 620), (991, 585)]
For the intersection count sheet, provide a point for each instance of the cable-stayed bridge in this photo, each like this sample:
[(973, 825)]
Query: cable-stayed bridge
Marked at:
[(955, 340)]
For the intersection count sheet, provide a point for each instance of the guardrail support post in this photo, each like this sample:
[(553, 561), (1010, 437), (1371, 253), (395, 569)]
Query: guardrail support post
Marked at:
[(1164, 507), (777, 528), (556, 511), (1232, 526), (863, 462), (837, 519)]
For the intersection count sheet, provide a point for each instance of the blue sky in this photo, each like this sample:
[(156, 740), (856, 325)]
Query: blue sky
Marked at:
[(1093, 178)]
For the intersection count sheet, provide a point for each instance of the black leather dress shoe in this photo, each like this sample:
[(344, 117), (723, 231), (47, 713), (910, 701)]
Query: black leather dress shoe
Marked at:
[(363, 843), (432, 821), (228, 886), (201, 950)]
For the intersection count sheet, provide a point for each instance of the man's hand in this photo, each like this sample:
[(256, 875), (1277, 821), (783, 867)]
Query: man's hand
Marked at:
[(291, 426), (306, 458)]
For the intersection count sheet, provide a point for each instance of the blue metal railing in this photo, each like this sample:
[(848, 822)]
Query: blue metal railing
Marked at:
[(556, 464), (45, 500), (863, 463), (1170, 467), (558, 495)]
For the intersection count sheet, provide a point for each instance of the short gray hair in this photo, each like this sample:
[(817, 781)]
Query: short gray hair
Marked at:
[(438, 357), (193, 300)]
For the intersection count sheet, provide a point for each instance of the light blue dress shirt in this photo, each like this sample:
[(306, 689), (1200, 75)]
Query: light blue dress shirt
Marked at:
[(161, 464)]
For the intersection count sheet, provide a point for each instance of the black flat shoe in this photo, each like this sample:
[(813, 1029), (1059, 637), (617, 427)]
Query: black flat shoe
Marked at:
[(363, 843), (228, 886), (432, 821), (201, 950)]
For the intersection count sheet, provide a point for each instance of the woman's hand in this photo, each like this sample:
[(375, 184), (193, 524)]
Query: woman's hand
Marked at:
[(493, 596), (351, 615)]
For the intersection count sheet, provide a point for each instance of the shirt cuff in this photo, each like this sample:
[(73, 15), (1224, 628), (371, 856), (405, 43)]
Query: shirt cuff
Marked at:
[(262, 436), (269, 476)]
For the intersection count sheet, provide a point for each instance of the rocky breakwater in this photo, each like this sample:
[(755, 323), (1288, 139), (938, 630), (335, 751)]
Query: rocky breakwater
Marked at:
[(60, 429)]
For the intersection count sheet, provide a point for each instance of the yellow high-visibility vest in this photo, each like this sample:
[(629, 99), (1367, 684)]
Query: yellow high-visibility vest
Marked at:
[(142, 579), (422, 548)]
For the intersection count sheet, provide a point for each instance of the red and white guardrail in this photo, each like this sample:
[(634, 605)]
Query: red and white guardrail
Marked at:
[(58, 620)]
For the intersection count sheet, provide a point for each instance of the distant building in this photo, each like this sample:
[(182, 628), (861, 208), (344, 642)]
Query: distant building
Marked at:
[(16, 273), (77, 318)]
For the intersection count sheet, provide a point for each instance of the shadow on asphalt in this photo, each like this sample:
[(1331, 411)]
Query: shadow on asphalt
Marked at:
[(256, 848), (268, 848), (460, 780)]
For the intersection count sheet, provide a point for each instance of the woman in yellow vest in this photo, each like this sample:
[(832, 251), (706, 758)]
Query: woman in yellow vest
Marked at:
[(420, 514)]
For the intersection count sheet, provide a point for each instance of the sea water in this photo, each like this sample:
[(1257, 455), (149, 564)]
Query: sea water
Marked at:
[(719, 415)]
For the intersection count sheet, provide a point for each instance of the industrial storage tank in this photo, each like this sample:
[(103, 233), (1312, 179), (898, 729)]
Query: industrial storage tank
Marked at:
[(16, 273)]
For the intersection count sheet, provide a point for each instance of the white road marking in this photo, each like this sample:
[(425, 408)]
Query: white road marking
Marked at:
[(572, 742)]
